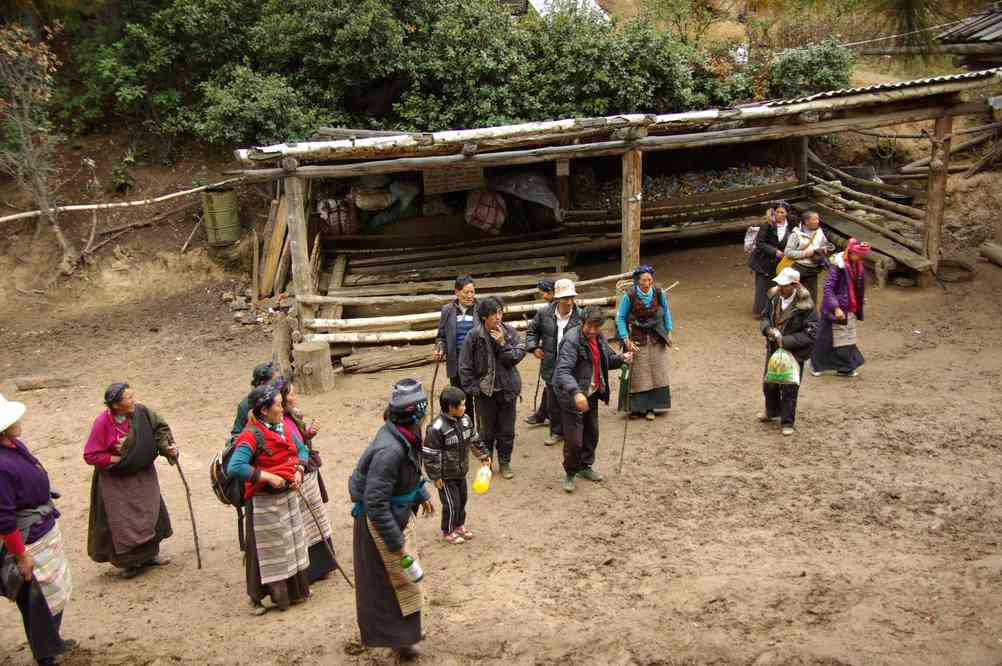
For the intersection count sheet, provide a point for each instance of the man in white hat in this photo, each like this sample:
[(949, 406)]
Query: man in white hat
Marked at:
[(545, 333), (788, 321)]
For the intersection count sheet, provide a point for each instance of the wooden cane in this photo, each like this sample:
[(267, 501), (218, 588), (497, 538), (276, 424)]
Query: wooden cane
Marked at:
[(191, 512), (624, 377), (431, 398), (330, 550)]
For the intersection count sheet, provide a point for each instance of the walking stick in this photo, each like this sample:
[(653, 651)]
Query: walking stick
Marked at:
[(330, 550), (535, 398), (431, 400), (624, 376), (191, 512)]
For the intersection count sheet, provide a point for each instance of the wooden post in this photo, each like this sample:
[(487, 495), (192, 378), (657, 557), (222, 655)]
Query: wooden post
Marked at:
[(295, 189), (800, 150), (314, 372), (281, 343), (563, 184), (633, 184), (936, 199)]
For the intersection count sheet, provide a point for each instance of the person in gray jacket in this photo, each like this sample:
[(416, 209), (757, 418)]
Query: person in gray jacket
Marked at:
[(386, 488), (488, 373), (580, 380), (545, 333), (457, 320)]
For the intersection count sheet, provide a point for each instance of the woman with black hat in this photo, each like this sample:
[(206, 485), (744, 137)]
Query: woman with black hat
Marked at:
[(386, 488), (262, 374), (29, 536), (128, 516)]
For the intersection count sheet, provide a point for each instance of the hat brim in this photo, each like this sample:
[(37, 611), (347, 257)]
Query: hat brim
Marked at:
[(566, 295), (11, 413)]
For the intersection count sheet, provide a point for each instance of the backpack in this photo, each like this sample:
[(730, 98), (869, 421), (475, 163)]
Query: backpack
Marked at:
[(229, 489)]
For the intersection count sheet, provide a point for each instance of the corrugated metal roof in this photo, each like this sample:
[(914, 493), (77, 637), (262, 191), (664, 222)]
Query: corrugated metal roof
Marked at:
[(985, 26), (896, 85)]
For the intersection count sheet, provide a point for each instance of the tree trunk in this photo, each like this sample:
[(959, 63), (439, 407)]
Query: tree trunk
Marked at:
[(314, 370)]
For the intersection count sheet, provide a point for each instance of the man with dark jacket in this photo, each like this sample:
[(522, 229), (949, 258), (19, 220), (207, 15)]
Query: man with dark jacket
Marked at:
[(457, 320), (580, 380), (386, 489), (487, 372), (545, 333), (788, 321)]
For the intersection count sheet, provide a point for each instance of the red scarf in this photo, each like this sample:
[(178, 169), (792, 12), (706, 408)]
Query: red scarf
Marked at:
[(596, 362)]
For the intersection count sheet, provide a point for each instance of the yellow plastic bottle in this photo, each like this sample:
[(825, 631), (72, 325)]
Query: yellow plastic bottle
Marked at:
[(482, 483)]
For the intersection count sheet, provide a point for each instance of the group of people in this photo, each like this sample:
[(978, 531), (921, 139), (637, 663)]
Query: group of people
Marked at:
[(285, 531), (787, 260)]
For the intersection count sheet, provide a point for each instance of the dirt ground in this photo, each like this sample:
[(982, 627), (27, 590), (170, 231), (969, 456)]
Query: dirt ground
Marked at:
[(869, 538)]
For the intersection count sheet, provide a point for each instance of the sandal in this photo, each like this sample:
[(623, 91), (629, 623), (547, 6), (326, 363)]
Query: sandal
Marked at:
[(454, 538), (465, 533)]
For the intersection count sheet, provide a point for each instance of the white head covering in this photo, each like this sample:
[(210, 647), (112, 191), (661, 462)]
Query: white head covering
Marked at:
[(10, 412)]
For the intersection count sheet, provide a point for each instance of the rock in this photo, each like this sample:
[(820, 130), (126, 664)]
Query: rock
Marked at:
[(903, 282), (237, 316), (239, 303)]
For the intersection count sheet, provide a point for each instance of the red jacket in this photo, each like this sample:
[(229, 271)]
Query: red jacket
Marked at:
[(278, 456)]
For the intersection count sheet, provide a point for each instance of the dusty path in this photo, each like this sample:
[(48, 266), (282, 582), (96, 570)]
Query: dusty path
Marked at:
[(870, 538)]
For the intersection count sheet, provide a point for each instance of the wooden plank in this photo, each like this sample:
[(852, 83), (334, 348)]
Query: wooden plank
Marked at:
[(849, 227), (442, 299), (282, 273), (939, 166), (456, 179), (295, 189), (800, 149), (480, 268), (408, 257), (447, 286), (357, 268), (333, 284), (632, 197), (273, 244)]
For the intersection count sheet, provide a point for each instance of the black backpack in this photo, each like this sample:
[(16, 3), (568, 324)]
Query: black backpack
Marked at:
[(229, 489)]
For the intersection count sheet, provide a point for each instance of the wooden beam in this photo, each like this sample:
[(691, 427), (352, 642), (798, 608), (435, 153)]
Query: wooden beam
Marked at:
[(408, 257), (564, 184), (273, 244), (861, 119), (917, 214), (359, 269), (868, 185), (912, 167), (800, 150), (295, 192), (447, 286), (872, 226), (554, 263), (333, 284), (362, 323), (632, 199), (441, 299), (991, 48), (936, 200)]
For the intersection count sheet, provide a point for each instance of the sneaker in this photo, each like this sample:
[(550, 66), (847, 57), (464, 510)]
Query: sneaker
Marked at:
[(590, 474), (568, 483), (553, 439), (464, 532), (815, 373), (506, 471), (455, 538), (533, 420), (854, 373), (765, 418), (788, 430), (649, 416)]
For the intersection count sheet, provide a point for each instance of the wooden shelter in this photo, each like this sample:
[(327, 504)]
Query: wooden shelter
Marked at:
[(413, 271)]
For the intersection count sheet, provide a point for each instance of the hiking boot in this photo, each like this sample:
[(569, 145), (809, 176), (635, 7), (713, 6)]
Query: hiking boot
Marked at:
[(553, 439), (590, 474), (568, 483), (506, 471), (408, 652), (650, 416), (532, 420), (788, 430)]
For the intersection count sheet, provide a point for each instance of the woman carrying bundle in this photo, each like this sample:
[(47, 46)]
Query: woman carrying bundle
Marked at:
[(271, 466), (769, 245), (841, 308), (319, 535)]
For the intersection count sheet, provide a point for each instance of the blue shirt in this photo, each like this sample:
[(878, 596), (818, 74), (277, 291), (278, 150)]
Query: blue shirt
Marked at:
[(623, 313)]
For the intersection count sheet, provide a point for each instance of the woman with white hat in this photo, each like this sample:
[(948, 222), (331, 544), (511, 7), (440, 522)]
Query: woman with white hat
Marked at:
[(33, 568)]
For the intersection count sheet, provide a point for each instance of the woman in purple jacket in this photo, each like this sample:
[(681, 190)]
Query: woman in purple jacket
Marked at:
[(29, 533), (841, 308)]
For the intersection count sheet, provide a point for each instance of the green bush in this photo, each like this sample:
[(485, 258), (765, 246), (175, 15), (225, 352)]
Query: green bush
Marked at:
[(810, 69)]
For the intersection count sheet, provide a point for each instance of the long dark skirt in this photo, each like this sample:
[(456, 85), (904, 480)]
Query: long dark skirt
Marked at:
[(321, 562), (100, 545), (827, 357), (40, 626), (648, 401), (763, 283), (296, 587), (379, 619)]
